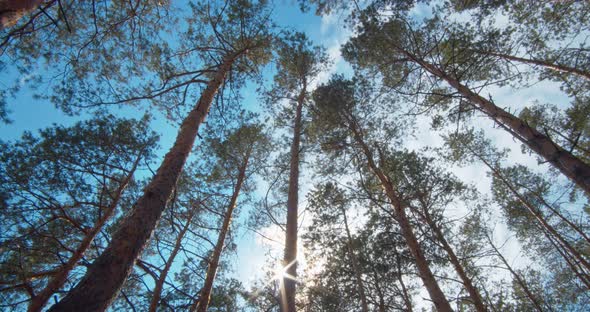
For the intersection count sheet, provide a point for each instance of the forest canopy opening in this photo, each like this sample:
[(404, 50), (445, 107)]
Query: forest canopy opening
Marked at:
[(312, 155)]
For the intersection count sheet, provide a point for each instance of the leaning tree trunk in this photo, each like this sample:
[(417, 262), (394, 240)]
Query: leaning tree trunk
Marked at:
[(355, 265), (99, 287), (574, 266), (405, 294), (549, 230), (543, 63), (203, 302), (288, 284), (159, 286), (436, 295), (516, 276), (571, 166), (380, 295), (561, 216), (60, 277), (13, 10), (473, 292)]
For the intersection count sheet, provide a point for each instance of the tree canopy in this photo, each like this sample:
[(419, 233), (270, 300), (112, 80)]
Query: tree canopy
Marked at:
[(317, 155)]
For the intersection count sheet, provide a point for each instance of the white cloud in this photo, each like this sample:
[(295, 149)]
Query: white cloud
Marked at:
[(333, 40), (329, 22)]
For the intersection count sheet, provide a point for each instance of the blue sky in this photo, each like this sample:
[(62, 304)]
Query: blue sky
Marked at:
[(330, 31), (30, 114)]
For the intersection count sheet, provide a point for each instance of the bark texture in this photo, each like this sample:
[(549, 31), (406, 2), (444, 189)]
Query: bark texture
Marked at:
[(99, 287), (11, 11), (203, 301), (289, 285), (571, 166)]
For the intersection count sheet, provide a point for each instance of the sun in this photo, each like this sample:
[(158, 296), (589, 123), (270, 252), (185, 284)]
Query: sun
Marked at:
[(280, 272)]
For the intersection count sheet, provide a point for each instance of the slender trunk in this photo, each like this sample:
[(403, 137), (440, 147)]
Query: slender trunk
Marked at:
[(60, 277), (379, 291), (288, 285), (436, 295), (547, 64), (99, 287), (157, 293), (516, 276), (489, 301), (13, 10), (405, 294), (203, 302), (574, 266), (566, 220), (355, 265), (571, 166), (550, 230), (473, 292), (562, 217), (546, 228)]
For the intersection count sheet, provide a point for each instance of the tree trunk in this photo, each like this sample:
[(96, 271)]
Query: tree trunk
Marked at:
[(13, 10), (549, 230), (552, 66), (288, 284), (99, 287), (574, 266), (436, 295), (571, 166), (561, 216), (203, 302), (516, 276), (406, 296), (380, 294), (157, 293), (473, 292), (355, 265), (60, 277)]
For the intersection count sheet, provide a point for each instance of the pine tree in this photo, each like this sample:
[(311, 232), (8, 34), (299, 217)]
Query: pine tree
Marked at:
[(65, 187), (105, 277), (337, 105), (298, 65)]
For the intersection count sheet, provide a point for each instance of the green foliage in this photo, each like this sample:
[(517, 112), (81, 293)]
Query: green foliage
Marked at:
[(382, 262), (570, 127), (83, 42), (336, 107), (298, 63), (524, 197), (57, 185)]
